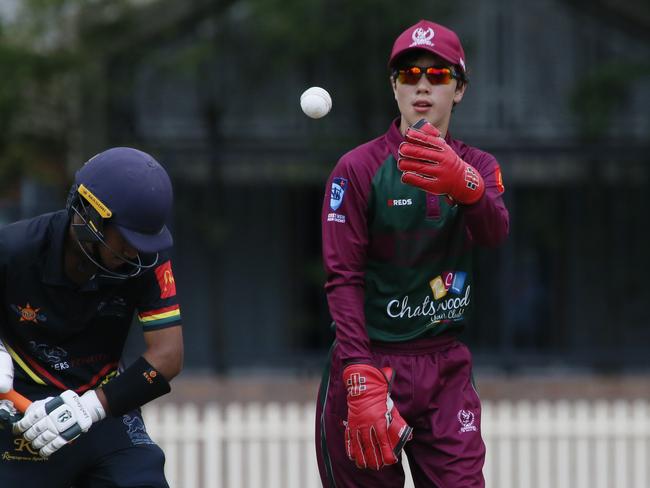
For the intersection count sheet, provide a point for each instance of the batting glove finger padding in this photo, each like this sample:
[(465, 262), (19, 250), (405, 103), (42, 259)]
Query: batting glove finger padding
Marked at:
[(34, 413), (51, 423), (375, 432), (43, 439), (429, 163)]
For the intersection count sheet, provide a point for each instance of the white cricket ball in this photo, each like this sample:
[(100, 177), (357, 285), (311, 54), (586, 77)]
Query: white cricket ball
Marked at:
[(315, 102)]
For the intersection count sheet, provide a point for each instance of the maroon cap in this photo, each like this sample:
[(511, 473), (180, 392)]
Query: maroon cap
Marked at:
[(431, 37)]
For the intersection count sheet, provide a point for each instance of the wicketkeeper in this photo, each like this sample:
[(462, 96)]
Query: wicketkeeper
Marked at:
[(400, 217), (70, 284)]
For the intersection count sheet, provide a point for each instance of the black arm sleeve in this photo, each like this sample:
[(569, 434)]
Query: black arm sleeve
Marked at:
[(137, 385)]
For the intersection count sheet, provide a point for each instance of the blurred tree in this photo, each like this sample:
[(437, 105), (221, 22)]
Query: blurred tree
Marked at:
[(31, 120), (603, 89), (350, 37), (598, 94), (42, 59)]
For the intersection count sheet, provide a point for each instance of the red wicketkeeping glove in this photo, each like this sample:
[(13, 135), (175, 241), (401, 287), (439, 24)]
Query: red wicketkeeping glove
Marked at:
[(428, 163), (375, 432)]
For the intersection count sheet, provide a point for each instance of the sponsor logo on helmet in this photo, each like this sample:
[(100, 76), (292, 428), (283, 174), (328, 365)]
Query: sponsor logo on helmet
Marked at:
[(97, 204)]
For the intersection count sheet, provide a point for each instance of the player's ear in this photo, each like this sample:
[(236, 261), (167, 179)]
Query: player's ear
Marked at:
[(461, 86)]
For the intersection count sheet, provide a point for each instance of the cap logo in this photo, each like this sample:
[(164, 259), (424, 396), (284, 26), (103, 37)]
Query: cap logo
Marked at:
[(97, 204), (422, 37)]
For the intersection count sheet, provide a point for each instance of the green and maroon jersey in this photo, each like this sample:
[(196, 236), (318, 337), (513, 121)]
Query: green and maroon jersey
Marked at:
[(398, 259)]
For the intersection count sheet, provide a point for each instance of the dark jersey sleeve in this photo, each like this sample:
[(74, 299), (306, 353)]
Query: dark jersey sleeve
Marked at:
[(158, 306), (345, 241), (487, 220)]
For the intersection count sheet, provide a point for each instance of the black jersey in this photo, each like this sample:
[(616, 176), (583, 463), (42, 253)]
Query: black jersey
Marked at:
[(61, 335)]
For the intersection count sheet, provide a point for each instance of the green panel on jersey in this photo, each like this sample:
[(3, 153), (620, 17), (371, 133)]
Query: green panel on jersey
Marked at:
[(418, 274), (395, 206)]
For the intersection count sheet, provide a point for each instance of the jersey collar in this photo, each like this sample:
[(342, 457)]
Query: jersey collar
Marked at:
[(53, 273), (394, 138)]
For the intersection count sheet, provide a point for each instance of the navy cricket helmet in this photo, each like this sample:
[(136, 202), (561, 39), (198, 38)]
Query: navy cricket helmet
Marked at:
[(129, 189)]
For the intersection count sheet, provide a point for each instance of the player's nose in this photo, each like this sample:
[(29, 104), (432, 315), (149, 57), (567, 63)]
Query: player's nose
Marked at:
[(423, 85)]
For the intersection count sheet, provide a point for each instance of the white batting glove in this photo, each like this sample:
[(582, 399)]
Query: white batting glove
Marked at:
[(51, 423), (6, 370)]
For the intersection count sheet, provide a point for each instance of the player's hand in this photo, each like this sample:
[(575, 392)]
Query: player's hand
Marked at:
[(6, 370), (375, 432), (429, 163), (8, 413), (51, 423)]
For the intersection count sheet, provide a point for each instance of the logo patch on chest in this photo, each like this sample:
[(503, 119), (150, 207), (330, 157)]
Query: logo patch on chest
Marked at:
[(55, 356), (449, 301), (400, 202), (29, 313)]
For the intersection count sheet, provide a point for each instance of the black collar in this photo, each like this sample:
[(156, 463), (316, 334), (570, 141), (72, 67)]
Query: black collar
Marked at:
[(53, 272)]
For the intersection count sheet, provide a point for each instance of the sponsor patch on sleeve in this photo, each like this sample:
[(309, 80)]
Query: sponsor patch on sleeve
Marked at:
[(339, 185), (166, 280), (334, 217)]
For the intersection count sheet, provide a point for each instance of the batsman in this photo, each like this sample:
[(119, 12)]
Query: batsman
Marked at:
[(71, 283), (400, 218)]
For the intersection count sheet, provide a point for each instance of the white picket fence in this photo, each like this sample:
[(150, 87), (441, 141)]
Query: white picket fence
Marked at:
[(562, 444)]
